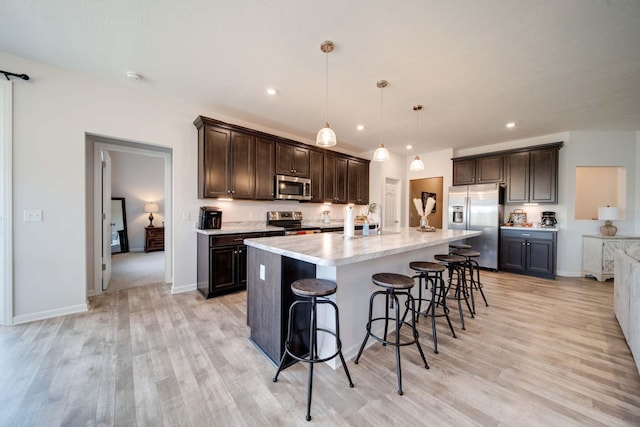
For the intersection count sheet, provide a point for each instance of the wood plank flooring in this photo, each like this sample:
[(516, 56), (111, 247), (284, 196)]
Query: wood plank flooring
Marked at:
[(544, 353)]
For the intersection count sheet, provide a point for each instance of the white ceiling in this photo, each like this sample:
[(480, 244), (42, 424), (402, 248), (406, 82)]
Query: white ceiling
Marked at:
[(548, 65)]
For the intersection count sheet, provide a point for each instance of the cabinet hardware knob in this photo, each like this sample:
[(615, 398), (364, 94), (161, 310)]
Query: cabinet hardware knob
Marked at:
[(233, 191)]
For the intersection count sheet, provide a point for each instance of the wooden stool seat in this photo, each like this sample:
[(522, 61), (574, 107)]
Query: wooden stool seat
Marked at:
[(459, 246), (449, 258), (392, 281), (314, 287), (426, 267), (466, 253)]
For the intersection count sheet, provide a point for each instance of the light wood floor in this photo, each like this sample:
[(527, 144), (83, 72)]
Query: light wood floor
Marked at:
[(544, 353)]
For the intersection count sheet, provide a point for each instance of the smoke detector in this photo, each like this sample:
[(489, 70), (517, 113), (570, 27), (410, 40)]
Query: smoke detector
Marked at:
[(134, 77)]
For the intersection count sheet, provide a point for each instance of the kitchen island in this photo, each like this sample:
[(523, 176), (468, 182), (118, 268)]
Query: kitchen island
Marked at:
[(275, 262)]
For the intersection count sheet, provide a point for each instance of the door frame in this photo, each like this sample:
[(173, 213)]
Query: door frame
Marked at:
[(6, 213), (140, 149)]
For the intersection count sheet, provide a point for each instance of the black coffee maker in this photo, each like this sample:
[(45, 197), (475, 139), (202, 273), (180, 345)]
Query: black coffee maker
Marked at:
[(210, 218), (548, 219)]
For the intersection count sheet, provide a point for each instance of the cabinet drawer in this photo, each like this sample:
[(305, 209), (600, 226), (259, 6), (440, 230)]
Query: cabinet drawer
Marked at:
[(523, 234), (230, 239)]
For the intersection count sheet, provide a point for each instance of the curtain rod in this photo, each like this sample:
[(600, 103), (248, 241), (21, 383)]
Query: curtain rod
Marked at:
[(8, 74)]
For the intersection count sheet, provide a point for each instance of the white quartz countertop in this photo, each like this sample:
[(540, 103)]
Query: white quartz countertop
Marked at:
[(505, 227), (332, 249)]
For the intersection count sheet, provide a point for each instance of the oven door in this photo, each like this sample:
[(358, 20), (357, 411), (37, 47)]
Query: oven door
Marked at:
[(292, 188)]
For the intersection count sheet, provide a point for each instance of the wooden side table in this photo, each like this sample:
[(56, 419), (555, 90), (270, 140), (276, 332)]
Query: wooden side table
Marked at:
[(154, 239)]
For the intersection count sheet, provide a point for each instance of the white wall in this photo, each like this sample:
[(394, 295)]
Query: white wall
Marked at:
[(139, 179)]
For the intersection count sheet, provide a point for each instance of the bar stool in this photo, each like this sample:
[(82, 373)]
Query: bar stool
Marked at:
[(313, 292), (393, 285), (455, 246), (431, 273), (473, 266), (456, 264)]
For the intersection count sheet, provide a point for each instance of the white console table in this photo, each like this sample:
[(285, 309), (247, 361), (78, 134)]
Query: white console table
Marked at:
[(598, 254)]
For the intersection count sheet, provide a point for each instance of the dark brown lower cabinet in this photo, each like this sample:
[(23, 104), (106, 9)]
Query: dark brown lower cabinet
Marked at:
[(528, 252), (222, 262)]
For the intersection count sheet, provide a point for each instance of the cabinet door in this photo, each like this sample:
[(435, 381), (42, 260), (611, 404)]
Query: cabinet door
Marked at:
[(330, 178), (358, 182), (464, 172), (341, 180), (292, 160), (265, 168), (317, 176), (240, 266), (301, 162), (214, 163), (540, 257), (517, 178), (221, 263), (513, 254), (242, 171), (490, 170), (609, 247), (543, 175)]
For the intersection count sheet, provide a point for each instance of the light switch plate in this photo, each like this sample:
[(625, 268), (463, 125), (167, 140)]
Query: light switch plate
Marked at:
[(262, 272), (33, 215)]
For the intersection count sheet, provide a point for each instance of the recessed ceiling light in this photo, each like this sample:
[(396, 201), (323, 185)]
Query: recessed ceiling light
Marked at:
[(511, 125), (134, 77), (271, 91), (360, 127), (409, 147)]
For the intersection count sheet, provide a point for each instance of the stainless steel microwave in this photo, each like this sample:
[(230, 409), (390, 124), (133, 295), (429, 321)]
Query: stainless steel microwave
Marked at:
[(292, 188)]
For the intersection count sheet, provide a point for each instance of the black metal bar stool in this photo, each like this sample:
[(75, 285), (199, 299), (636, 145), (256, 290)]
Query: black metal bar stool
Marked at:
[(473, 267), (394, 285), (456, 265), (455, 246), (431, 273), (313, 292)]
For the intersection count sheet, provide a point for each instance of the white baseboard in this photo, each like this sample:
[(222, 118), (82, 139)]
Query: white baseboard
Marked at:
[(183, 288), (569, 273), (24, 318)]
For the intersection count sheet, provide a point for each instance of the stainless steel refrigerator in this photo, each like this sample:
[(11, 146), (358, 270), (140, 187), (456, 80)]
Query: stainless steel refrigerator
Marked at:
[(478, 207)]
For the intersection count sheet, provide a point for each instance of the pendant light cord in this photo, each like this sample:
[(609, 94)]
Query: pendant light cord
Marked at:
[(326, 113), (381, 122)]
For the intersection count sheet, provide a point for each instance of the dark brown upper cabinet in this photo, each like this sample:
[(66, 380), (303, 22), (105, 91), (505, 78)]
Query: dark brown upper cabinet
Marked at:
[(316, 159), (358, 182), (532, 176), (292, 160), (478, 170), (265, 168), (226, 163), (335, 179)]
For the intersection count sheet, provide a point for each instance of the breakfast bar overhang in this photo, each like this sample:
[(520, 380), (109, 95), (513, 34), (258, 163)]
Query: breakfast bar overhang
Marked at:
[(275, 262)]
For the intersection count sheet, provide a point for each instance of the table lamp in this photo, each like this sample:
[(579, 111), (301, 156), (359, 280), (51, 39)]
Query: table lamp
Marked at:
[(608, 214), (151, 207)]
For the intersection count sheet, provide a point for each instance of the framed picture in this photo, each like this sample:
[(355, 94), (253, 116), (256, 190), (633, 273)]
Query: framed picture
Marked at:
[(425, 196)]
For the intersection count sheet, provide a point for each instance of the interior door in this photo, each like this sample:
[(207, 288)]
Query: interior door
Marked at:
[(106, 219), (391, 204)]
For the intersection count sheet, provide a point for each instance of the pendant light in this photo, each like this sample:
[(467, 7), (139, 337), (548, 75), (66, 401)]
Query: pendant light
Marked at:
[(417, 164), (381, 154), (326, 136)]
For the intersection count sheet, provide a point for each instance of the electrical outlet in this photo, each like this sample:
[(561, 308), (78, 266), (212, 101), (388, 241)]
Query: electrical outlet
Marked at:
[(33, 215)]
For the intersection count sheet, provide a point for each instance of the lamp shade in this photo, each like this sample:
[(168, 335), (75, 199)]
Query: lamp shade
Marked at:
[(151, 207), (381, 154), (607, 213), (416, 164), (326, 137)]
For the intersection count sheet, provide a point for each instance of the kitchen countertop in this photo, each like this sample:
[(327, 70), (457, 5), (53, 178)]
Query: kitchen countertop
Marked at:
[(505, 227), (332, 249), (261, 227)]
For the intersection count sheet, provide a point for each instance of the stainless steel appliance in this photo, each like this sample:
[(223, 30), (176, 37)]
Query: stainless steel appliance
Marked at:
[(291, 221), (292, 188), (210, 218), (548, 219), (478, 207)]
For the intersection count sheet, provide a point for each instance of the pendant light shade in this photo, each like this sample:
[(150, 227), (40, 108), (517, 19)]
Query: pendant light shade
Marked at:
[(381, 154), (326, 136), (417, 164)]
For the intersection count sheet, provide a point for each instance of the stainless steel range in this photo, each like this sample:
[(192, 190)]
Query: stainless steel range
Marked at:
[(291, 221)]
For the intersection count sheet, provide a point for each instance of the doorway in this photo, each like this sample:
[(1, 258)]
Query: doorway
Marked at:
[(391, 207), (420, 189), (141, 173)]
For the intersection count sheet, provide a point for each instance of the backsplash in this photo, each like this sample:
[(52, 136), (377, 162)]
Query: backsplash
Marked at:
[(534, 212)]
